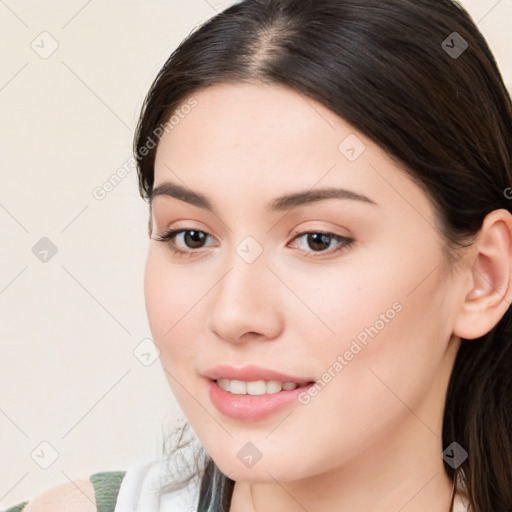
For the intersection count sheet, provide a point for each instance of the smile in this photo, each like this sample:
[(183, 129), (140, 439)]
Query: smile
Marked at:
[(255, 388)]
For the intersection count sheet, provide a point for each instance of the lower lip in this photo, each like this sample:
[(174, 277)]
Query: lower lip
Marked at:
[(252, 407)]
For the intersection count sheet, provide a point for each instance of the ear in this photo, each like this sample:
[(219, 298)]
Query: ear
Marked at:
[(489, 291)]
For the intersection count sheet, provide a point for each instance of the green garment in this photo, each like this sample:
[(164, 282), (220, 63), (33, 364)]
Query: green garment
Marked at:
[(106, 488)]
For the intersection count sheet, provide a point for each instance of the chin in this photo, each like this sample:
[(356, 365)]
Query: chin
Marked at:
[(263, 470)]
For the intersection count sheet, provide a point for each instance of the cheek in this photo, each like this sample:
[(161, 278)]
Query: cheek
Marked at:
[(169, 297), (391, 293), (387, 347), (345, 306), (385, 314)]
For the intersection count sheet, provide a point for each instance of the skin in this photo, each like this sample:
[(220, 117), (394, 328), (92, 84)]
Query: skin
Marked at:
[(78, 496), (371, 439)]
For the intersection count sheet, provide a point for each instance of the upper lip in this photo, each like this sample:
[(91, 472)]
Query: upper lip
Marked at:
[(251, 373)]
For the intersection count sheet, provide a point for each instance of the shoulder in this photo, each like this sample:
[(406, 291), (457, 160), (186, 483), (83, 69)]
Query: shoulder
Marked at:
[(77, 496)]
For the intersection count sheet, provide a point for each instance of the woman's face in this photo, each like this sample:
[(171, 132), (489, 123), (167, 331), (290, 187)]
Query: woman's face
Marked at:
[(368, 315)]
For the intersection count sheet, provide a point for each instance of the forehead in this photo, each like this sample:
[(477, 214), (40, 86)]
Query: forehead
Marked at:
[(252, 120), (246, 126), (248, 140)]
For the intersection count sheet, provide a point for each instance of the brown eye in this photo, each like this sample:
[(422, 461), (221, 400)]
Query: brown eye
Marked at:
[(320, 242), (194, 239)]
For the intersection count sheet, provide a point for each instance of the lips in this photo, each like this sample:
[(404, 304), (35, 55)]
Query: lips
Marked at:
[(247, 407), (252, 373)]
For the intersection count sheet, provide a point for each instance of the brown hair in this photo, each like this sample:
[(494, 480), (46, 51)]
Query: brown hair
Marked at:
[(418, 78)]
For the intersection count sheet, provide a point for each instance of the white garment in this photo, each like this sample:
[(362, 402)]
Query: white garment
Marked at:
[(144, 489), (461, 503)]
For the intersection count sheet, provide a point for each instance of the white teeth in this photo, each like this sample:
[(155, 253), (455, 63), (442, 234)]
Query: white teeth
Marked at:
[(274, 386), (238, 387), (258, 387), (223, 383)]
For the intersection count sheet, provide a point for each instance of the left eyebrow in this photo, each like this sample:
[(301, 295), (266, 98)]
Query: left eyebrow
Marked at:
[(282, 203), (289, 201)]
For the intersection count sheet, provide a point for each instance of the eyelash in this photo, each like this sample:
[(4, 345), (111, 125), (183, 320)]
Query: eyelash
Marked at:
[(169, 236)]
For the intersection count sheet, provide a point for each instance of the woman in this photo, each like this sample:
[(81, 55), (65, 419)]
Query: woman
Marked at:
[(329, 271)]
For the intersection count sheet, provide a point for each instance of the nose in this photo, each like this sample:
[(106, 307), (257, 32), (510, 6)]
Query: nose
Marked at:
[(245, 303)]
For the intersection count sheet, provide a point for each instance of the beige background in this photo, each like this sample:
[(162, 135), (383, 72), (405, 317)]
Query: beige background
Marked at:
[(73, 370)]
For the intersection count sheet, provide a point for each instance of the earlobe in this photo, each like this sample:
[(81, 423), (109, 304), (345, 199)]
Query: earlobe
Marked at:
[(490, 270)]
